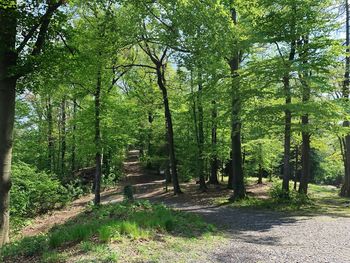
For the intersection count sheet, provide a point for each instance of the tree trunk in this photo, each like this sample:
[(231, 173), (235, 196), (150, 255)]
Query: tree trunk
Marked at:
[(260, 178), (50, 139), (8, 60), (214, 159), (98, 153), (149, 137), (202, 185), (7, 111), (63, 135), (236, 146), (195, 122), (305, 151), (288, 123), (345, 190), (296, 166), (73, 160), (305, 157), (169, 125)]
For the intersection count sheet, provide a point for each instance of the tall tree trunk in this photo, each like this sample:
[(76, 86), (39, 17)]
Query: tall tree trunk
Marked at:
[(149, 137), (236, 145), (8, 60), (202, 184), (195, 122), (98, 153), (305, 150), (169, 125), (214, 159), (305, 157), (63, 135), (261, 160), (50, 139), (345, 190), (288, 123), (73, 158)]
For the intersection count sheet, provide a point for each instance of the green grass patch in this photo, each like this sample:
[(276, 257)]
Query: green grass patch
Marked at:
[(321, 199), (105, 224)]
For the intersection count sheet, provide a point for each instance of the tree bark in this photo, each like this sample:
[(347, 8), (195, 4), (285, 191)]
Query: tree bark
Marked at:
[(236, 145), (214, 159), (305, 150), (63, 135), (73, 157), (260, 178), (296, 167), (202, 185), (345, 190), (50, 139), (169, 126), (305, 157), (288, 123), (98, 153), (8, 60)]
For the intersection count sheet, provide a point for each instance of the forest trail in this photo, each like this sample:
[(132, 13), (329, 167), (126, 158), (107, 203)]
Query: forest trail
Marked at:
[(250, 235), (134, 175)]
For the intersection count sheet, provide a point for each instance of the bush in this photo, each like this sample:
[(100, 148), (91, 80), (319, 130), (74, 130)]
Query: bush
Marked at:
[(34, 192), (293, 199)]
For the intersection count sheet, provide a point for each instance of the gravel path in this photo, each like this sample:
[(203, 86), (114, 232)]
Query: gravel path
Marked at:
[(264, 236)]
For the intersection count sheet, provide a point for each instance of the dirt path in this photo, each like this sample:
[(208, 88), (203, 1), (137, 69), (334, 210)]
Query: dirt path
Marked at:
[(251, 235), (44, 223)]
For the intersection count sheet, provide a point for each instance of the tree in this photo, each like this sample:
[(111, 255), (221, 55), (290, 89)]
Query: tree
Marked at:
[(9, 63), (236, 146), (345, 190)]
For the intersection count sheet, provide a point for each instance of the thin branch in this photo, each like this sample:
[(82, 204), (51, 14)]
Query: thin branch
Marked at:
[(280, 53), (164, 55), (71, 50)]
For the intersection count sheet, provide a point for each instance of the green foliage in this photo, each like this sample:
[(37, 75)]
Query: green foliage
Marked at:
[(28, 246), (293, 199), (35, 192)]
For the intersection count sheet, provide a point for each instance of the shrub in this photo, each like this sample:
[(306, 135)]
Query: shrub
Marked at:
[(292, 199), (28, 246), (35, 192)]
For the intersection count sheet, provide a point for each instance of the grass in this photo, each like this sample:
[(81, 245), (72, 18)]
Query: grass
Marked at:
[(321, 199), (94, 233)]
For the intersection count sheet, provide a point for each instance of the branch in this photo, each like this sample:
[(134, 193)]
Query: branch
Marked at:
[(46, 19), (158, 18), (164, 54), (47, 16), (281, 55), (115, 80)]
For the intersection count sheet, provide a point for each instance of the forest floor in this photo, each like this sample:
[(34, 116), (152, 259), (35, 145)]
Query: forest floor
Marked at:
[(250, 233)]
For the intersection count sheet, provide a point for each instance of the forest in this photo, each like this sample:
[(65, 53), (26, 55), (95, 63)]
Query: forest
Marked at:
[(174, 131)]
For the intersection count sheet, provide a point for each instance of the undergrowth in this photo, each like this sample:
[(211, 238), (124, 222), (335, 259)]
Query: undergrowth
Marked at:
[(108, 223)]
